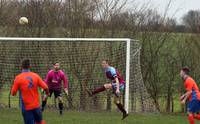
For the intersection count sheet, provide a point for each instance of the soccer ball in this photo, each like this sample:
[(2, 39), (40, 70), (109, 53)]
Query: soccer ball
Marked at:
[(23, 21)]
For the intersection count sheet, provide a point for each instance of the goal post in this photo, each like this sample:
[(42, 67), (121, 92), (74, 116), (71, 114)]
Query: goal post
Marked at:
[(128, 47), (72, 52)]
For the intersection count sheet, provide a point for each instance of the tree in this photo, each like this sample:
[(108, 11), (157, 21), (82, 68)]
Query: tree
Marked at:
[(192, 20)]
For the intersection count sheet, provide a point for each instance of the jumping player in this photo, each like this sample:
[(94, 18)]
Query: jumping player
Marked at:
[(117, 85), (192, 96), (54, 80), (27, 83)]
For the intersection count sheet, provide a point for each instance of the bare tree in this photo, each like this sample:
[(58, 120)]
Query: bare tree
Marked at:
[(192, 20)]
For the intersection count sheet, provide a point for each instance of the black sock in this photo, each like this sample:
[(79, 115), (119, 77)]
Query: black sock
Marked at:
[(97, 90), (60, 107), (43, 104), (121, 108)]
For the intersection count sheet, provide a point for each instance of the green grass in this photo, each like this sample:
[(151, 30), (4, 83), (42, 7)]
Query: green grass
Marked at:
[(12, 116)]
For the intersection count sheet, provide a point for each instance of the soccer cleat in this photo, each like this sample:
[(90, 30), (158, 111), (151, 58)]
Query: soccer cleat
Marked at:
[(124, 116), (89, 92)]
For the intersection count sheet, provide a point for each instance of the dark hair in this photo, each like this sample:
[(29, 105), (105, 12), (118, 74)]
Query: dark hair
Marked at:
[(186, 70), (55, 62), (26, 63), (107, 61)]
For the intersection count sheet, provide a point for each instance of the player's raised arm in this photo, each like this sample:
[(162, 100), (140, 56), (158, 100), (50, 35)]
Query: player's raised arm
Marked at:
[(15, 87)]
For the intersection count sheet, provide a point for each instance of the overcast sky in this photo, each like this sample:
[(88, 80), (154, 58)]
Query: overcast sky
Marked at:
[(178, 7)]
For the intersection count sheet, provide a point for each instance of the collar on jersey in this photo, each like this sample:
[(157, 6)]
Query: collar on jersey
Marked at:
[(26, 70), (107, 69)]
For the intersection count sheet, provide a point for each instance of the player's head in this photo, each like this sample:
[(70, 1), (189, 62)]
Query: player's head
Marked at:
[(184, 72), (56, 66), (105, 64), (26, 64)]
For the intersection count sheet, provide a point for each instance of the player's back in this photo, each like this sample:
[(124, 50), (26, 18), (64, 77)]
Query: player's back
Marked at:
[(190, 84), (28, 83)]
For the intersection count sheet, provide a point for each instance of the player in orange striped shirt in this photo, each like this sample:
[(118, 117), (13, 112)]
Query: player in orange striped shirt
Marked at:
[(27, 83), (192, 96)]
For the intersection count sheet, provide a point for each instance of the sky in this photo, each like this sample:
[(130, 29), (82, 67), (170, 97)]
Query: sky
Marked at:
[(177, 9)]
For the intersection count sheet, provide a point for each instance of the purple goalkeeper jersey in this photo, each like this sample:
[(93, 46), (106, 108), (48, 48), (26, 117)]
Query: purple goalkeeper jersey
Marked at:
[(112, 73), (54, 80)]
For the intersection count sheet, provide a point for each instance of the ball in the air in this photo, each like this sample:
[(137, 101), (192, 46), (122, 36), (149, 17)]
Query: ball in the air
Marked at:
[(23, 21)]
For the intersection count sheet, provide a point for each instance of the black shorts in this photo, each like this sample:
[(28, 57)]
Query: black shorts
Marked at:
[(57, 93)]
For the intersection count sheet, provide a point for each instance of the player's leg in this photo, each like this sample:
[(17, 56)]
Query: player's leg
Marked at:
[(28, 117), (44, 102), (44, 99), (192, 108), (37, 113), (58, 96), (119, 105), (191, 118), (197, 115), (99, 89), (60, 104), (117, 99)]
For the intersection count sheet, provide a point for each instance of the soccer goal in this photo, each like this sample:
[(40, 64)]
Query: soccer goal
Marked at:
[(80, 59)]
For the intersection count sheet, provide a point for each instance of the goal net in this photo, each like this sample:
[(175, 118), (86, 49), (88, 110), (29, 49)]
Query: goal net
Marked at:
[(80, 59)]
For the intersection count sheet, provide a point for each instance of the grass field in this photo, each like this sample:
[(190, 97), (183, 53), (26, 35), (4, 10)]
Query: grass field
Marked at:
[(13, 116)]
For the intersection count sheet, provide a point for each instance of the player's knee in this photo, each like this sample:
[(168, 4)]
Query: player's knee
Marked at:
[(45, 99), (117, 101), (108, 86), (60, 100)]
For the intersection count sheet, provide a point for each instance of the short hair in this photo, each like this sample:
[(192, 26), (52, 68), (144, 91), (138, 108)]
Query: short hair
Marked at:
[(26, 63), (106, 60), (186, 70), (56, 62)]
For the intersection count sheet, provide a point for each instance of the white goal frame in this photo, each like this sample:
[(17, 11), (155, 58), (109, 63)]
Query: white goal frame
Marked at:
[(127, 40)]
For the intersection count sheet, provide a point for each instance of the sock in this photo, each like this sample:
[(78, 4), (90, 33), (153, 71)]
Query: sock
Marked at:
[(43, 104), (97, 90), (60, 107), (42, 122), (121, 108), (191, 118), (197, 116)]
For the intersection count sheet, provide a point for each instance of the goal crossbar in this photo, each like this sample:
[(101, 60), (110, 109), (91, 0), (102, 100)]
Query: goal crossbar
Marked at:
[(61, 39)]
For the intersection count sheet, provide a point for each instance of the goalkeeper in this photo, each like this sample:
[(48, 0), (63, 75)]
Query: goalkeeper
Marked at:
[(54, 80), (117, 85)]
